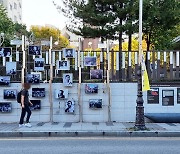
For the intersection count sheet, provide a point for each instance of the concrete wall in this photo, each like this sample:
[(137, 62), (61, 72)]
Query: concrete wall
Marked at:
[(122, 101)]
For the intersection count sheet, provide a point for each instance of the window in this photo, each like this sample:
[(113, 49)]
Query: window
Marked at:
[(19, 5), (15, 19), (10, 7), (20, 17), (15, 6)]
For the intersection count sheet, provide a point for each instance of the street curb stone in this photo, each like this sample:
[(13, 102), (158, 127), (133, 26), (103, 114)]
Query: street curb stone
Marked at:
[(90, 134)]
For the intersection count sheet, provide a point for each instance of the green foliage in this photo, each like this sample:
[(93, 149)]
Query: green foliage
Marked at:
[(159, 20), (6, 25), (20, 30)]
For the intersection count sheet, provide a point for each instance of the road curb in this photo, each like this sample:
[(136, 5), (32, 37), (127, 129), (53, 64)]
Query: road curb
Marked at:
[(90, 134)]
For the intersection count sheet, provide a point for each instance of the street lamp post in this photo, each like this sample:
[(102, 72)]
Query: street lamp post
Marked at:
[(140, 123)]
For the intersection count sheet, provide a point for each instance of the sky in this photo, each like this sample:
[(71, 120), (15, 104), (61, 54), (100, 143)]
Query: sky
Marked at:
[(41, 12)]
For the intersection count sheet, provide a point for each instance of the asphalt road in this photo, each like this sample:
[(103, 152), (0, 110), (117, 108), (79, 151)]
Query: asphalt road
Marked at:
[(95, 145)]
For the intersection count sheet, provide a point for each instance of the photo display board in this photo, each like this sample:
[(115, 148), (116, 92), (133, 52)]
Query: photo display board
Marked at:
[(4, 80), (39, 64), (153, 96), (63, 65), (95, 103), (61, 94), (10, 93), (5, 107), (69, 106), (68, 53), (38, 92), (178, 95), (68, 79), (36, 104), (33, 78), (10, 68), (5, 52), (90, 61), (91, 88), (167, 97), (34, 50)]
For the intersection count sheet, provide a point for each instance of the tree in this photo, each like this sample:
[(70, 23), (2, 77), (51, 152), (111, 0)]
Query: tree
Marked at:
[(159, 19), (6, 25), (44, 33), (20, 30)]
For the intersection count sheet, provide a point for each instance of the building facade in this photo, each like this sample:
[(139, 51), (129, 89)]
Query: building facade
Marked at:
[(14, 9)]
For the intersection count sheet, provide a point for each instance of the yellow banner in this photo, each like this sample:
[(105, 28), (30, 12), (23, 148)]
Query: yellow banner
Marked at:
[(145, 79)]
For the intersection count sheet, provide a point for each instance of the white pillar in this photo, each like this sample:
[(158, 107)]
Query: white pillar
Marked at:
[(117, 61), (177, 58), (47, 57), (123, 59), (164, 56), (129, 61), (76, 61)]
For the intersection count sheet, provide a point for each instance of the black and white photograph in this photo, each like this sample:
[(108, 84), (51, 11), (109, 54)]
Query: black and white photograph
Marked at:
[(89, 61), (5, 52), (38, 92), (61, 94), (10, 93), (10, 68), (91, 88), (36, 104), (69, 53), (63, 65), (96, 74), (4, 80), (33, 78), (69, 106), (67, 79), (5, 107), (34, 50), (39, 64), (95, 103)]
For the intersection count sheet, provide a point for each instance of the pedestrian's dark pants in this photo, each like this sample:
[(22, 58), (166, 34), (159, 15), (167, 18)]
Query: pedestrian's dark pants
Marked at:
[(23, 113)]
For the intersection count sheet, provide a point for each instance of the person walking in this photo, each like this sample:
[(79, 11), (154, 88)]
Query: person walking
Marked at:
[(25, 102)]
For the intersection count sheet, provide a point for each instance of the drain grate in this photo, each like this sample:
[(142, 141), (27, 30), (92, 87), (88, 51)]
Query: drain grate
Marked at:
[(170, 124), (40, 124), (67, 124), (109, 124), (55, 123), (95, 123)]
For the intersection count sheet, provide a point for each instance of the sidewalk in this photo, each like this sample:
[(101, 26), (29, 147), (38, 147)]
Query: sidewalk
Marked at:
[(69, 129)]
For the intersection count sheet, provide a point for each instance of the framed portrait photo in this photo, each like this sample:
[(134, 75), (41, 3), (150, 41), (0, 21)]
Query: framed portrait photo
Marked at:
[(63, 65), (10, 68), (67, 79), (95, 103), (91, 88), (61, 94), (10, 93), (90, 61), (39, 64), (5, 52), (5, 107), (69, 53), (34, 50), (69, 106), (4, 80), (96, 74)]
